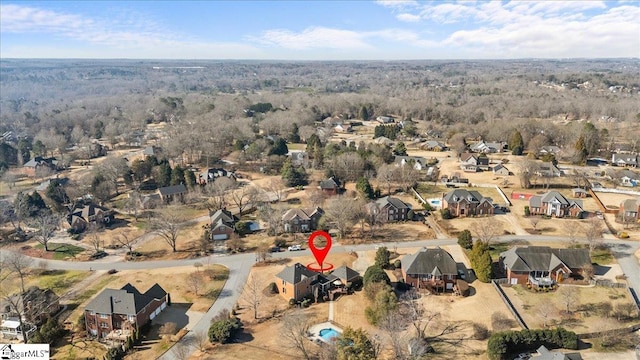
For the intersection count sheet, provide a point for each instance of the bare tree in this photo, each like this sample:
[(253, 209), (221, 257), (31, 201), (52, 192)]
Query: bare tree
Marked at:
[(93, 237), (572, 232), (593, 234), (201, 340), (127, 240), (235, 243), (217, 192), (168, 329), (167, 226), (113, 168), (339, 212), (393, 324), (253, 294), (386, 175), (487, 230), (195, 282), (546, 310), (272, 217), (16, 309), (568, 296), (243, 197), (294, 329), (16, 263), (276, 187), (46, 225), (316, 197), (534, 222)]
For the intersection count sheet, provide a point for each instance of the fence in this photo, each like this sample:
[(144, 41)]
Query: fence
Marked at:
[(634, 297), (509, 304)]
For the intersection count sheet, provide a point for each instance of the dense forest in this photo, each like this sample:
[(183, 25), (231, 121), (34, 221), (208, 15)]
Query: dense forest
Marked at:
[(209, 105)]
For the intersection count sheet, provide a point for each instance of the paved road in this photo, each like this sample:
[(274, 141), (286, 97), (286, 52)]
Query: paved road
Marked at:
[(240, 265)]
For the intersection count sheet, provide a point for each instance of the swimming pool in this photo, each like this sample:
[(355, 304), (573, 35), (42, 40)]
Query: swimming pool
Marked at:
[(328, 334)]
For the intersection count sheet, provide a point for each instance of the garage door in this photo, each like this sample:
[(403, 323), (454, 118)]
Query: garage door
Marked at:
[(152, 316), (449, 286), (220, 237), (164, 305)]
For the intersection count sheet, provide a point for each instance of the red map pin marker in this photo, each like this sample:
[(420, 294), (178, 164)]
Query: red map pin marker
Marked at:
[(320, 254)]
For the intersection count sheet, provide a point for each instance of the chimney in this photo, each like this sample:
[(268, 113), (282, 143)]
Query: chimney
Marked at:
[(111, 303)]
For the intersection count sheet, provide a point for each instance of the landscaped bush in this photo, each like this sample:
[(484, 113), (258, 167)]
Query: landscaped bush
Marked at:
[(397, 264), (480, 332), (527, 211), (273, 288), (223, 328), (279, 242), (375, 274), (446, 214), (623, 235), (465, 240), (502, 343)]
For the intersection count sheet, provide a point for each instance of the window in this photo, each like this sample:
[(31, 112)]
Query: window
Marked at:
[(104, 325), (103, 316), (283, 283), (284, 290), (92, 312), (132, 318)]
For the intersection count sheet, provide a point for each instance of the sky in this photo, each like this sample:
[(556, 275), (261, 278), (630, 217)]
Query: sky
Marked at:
[(320, 30)]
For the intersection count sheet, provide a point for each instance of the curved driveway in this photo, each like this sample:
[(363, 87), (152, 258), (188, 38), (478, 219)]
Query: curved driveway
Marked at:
[(240, 265)]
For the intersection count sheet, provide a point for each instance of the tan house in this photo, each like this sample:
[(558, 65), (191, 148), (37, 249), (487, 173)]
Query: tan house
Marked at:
[(542, 266), (118, 313), (431, 269), (555, 204), (295, 282), (630, 210), (462, 203)]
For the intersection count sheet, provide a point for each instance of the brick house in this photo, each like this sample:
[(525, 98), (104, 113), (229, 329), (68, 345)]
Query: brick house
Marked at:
[(431, 269), (125, 309), (330, 186), (391, 209), (38, 305), (461, 202), (295, 282), (542, 265), (301, 220), (31, 166), (471, 162), (84, 215), (223, 224), (169, 193), (555, 204)]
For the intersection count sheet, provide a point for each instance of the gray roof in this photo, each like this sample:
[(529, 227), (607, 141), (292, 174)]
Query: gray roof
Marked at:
[(395, 202), (418, 159), (303, 214), (545, 354), (330, 183), (224, 216), (631, 205), (537, 201), (172, 190), (346, 273), (498, 167), (126, 301), (296, 273), (457, 195), (429, 261), (624, 159), (532, 258)]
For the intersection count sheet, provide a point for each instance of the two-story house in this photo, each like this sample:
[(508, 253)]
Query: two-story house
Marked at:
[(461, 202), (555, 204), (391, 209), (222, 224), (471, 162), (301, 220), (630, 210), (330, 186), (85, 215), (626, 160), (125, 310)]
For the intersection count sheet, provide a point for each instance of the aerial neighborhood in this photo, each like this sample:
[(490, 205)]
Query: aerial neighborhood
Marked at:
[(186, 222)]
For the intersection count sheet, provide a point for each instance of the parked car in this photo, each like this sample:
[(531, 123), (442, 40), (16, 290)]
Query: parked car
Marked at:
[(295, 248), (274, 249)]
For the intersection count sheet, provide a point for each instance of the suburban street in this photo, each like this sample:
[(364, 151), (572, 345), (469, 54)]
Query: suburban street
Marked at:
[(239, 266)]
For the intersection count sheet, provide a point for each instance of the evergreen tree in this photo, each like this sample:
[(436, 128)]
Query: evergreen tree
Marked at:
[(177, 176), (279, 147), (400, 149), (313, 143), (581, 150), (189, 178), (163, 175), (355, 345), (382, 257), (293, 176), (364, 187), (516, 144), (481, 261), (294, 136), (465, 240), (364, 113)]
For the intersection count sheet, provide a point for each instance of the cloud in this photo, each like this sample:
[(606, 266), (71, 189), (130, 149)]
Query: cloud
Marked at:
[(397, 3), (408, 17), (314, 37)]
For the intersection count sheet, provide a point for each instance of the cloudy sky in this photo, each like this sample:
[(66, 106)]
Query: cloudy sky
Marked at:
[(320, 30)]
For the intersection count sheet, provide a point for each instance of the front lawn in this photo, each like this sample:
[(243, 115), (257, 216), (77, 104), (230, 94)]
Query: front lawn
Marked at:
[(59, 280), (62, 251)]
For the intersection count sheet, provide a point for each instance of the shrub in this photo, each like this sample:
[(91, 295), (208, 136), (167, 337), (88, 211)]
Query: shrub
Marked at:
[(465, 240), (527, 211), (623, 235), (223, 328), (397, 264), (292, 302), (480, 332), (279, 242), (427, 206), (375, 274), (382, 257), (273, 288), (446, 214), (500, 322)]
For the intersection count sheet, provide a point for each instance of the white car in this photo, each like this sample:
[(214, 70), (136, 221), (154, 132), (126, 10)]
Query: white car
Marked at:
[(295, 248)]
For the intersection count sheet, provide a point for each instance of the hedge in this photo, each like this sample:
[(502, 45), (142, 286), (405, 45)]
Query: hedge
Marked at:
[(505, 342)]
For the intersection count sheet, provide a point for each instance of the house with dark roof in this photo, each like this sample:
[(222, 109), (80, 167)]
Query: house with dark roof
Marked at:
[(330, 186), (117, 312), (542, 266), (295, 282), (555, 204), (629, 178), (461, 202), (223, 224), (471, 162), (84, 215), (431, 269), (548, 169), (626, 160), (212, 174), (501, 170), (391, 209), (168, 193), (417, 162), (630, 210), (346, 275), (38, 305), (38, 162), (434, 145), (301, 220)]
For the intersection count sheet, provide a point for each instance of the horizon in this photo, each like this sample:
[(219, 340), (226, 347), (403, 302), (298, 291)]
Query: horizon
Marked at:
[(402, 30)]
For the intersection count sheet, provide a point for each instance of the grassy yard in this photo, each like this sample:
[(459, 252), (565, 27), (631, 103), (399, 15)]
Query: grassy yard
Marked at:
[(59, 280), (602, 256), (62, 251)]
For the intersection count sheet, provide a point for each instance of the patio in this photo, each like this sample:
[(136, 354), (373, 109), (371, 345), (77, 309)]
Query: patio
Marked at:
[(315, 332)]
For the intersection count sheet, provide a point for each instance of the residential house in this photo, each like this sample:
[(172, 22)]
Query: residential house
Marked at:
[(542, 266), (391, 209), (626, 160), (295, 282), (84, 215), (120, 312), (432, 173), (37, 305), (346, 275), (299, 158), (555, 204), (546, 354), (548, 169), (301, 220), (462, 203), (223, 224), (31, 167), (343, 128), (433, 145), (330, 186), (550, 149), (431, 269), (152, 151), (473, 162), (168, 193), (630, 210), (629, 178), (419, 163), (210, 175), (383, 140), (579, 193), (488, 147), (385, 119), (501, 170)]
